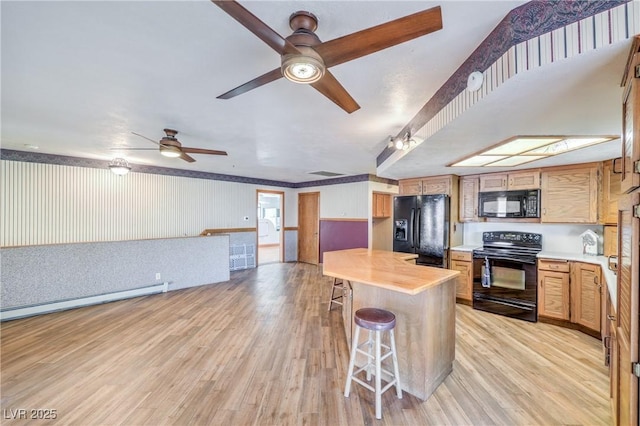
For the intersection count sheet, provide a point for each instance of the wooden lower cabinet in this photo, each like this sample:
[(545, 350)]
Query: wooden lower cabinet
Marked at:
[(570, 293), (553, 295), (463, 261), (586, 289)]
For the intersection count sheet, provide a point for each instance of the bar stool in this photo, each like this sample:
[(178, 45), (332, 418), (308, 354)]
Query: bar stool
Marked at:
[(376, 321), (337, 284)]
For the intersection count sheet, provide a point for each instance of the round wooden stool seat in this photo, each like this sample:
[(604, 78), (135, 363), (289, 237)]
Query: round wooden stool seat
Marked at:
[(375, 319)]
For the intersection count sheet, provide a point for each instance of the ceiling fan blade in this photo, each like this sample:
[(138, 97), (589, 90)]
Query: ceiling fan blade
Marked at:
[(203, 151), (329, 86), (365, 42), (272, 75), (142, 136), (186, 157), (256, 26), (133, 149)]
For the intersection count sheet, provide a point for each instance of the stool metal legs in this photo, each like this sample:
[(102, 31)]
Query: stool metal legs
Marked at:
[(336, 299), (374, 361)]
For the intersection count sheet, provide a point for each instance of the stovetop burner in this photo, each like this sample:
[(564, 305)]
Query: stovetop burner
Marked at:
[(510, 245)]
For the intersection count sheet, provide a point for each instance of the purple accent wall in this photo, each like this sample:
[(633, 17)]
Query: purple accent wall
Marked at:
[(342, 234)]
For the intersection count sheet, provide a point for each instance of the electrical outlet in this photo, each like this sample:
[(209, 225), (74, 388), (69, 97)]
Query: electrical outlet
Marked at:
[(158, 276)]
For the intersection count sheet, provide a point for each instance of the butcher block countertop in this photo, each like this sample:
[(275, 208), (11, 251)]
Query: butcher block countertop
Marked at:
[(385, 269)]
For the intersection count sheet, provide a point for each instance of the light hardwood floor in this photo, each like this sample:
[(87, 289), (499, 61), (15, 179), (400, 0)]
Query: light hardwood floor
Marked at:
[(262, 349)]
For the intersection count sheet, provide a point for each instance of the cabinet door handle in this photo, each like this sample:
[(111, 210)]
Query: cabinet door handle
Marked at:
[(611, 317)]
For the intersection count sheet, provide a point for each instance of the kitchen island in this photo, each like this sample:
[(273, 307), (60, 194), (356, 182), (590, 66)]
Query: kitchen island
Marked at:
[(421, 297)]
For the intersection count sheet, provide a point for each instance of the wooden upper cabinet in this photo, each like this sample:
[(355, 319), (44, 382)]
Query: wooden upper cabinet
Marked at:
[(410, 187), (610, 192), (437, 185), (586, 290), (631, 128), (425, 186), (469, 198), (529, 179), (493, 182), (381, 205), (570, 195)]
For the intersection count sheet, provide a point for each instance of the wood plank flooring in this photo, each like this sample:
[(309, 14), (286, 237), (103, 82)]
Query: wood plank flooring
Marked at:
[(262, 349)]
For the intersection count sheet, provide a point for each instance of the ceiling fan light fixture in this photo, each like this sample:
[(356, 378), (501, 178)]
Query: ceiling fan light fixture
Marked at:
[(304, 68), (119, 166), (170, 151)]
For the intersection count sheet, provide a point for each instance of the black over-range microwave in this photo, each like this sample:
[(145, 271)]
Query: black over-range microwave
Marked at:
[(524, 203)]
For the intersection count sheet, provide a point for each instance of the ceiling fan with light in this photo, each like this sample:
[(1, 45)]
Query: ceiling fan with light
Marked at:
[(306, 59), (171, 147)]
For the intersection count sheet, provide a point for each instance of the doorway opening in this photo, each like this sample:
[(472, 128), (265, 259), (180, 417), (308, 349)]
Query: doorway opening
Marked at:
[(270, 226)]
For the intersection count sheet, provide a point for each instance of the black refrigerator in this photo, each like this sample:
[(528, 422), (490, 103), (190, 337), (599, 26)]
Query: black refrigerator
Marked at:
[(421, 226)]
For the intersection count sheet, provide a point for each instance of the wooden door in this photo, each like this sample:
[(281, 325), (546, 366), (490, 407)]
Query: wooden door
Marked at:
[(308, 227), (627, 307), (586, 293), (553, 294), (631, 128)]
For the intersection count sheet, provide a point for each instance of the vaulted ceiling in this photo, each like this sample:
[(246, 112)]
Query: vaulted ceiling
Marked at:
[(79, 77)]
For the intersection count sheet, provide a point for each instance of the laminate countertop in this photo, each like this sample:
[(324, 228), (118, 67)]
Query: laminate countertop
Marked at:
[(385, 269)]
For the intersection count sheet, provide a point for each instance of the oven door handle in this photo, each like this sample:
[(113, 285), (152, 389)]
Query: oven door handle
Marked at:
[(513, 305), (508, 259)]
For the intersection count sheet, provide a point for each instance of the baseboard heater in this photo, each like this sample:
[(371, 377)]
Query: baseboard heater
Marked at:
[(61, 305)]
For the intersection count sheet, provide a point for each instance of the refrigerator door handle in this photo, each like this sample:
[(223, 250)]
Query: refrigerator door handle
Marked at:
[(417, 228), (413, 227)]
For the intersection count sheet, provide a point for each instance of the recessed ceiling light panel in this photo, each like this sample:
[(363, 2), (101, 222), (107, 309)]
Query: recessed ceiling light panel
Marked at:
[(524, 149)]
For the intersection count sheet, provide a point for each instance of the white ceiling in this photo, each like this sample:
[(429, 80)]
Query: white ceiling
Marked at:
[(79, 77)]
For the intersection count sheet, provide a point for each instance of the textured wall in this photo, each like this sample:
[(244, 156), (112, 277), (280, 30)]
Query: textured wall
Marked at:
[(36, 275), (51, 204)]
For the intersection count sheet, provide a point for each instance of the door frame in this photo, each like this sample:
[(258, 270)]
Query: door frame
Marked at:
[(301, 195), (281, 232)]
